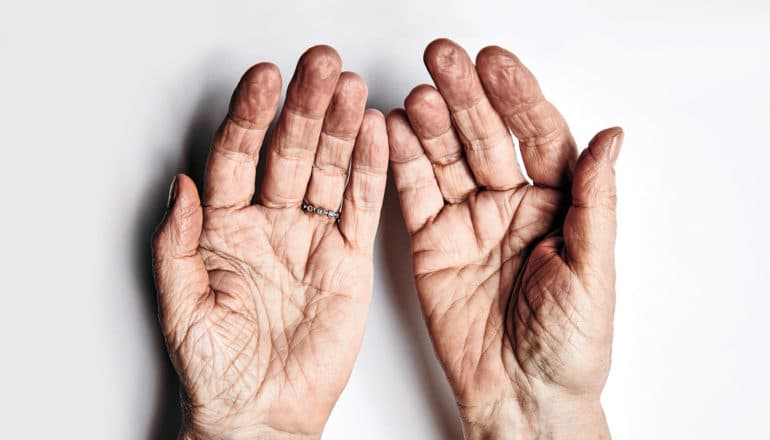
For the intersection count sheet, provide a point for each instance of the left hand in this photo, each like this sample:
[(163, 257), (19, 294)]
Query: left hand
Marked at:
[(263, 305)]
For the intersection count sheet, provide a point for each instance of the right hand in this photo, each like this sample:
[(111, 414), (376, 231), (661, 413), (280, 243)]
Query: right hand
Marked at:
[(516, 280)]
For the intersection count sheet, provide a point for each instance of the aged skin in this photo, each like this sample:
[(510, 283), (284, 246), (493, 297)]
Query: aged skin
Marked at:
[(263, 305), (519, 301)]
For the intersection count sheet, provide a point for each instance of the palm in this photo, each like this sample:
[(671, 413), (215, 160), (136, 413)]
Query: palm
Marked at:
[(264, 305), (501, 264), (283, 322), (503, 301), (492, 233)]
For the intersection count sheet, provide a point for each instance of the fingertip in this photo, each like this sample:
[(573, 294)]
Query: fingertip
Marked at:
[(372, 146), (349, 97), (506, 79), (427, 111), (605, 135), (187, 193), (394, 121), (442, 52), (594, 178), (264, 72), (491, 56), (256, 97), (493, 62), (314, 82), (395, 113), (617, 133), (605, 145), (447, 61), (454, 73), (616, 144), (187, 215), (346, 108), (352, 85), (183, 179), (404, 145), (321, 61), (423, 94), (172, 192), (374, 119), (180, 231), (371, 150)]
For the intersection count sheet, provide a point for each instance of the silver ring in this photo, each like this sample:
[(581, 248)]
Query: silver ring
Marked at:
[(307, 207)]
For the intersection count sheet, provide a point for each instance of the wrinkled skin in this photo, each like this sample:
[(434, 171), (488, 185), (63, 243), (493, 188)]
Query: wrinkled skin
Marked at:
[(515, 279), (263, 305)]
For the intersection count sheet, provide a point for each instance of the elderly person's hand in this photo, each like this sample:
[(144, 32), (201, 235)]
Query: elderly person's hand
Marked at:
[(263, 304), (516, 279)]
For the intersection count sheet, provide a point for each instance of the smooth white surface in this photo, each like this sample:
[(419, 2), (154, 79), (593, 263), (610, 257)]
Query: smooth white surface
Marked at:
[(100, 105)]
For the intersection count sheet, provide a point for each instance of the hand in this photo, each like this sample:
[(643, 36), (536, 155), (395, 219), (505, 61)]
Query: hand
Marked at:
[(263, 305), (516, 280)]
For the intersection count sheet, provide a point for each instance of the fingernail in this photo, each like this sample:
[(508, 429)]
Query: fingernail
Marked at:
[(615, 144), (172, 193)]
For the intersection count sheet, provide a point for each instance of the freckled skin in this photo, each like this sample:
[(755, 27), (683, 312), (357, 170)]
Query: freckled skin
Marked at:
[(263, 305), (516, 280)]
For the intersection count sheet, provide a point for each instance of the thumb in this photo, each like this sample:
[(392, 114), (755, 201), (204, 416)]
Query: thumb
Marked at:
[(180, 276), (589, 229)]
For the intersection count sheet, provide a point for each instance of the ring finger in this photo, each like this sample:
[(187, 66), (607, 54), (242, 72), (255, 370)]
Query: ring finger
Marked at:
[(335, 146)]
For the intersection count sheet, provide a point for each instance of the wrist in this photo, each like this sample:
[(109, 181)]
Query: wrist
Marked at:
[(573, 417), (210, 422), (560, 417), (189, 432), (236, 427), (502, 419)]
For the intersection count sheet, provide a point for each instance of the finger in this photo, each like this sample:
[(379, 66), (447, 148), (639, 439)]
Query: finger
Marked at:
[(232, 164), (366, 189), (340, 127), (418, 190), (547, 147), (488, 145), (293, 145), (180, 275), (430, 120), (589, 229)]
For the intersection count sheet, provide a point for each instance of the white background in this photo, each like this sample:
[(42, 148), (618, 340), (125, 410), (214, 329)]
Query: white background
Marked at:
[(101, 104)]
